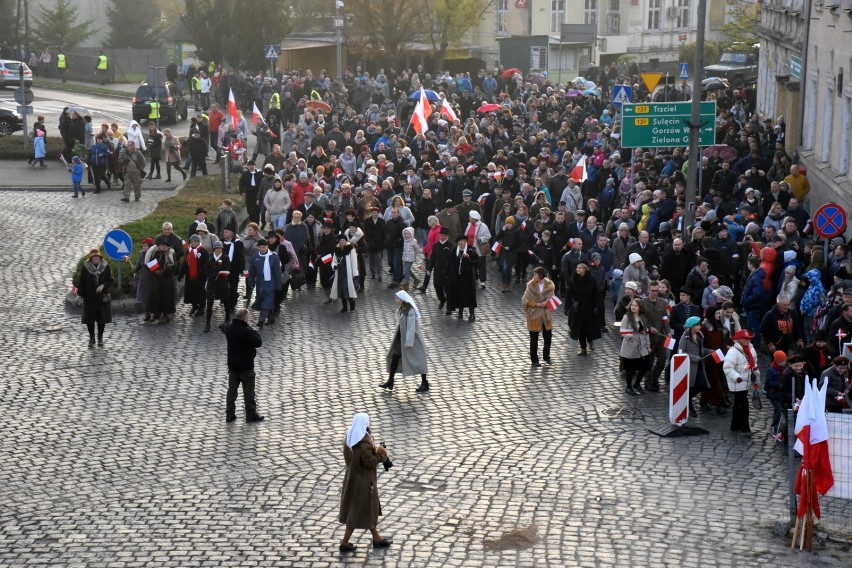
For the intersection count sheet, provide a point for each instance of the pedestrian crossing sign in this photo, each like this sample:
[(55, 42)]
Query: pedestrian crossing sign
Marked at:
[(684, 71), (272, 52), (621, 94)]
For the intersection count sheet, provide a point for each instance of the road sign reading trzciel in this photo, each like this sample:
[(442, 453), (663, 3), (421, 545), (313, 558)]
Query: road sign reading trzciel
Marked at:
[(663, 125)]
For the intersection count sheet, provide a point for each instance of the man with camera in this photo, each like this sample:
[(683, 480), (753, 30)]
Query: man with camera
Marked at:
[(243, 342)]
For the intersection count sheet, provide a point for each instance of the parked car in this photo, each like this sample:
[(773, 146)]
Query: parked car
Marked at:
[(737, 67), (10, 122), (9, 73), (173, 105)]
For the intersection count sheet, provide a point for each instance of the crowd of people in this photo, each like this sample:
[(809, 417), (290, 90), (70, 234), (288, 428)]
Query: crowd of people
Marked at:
[(346, 188)]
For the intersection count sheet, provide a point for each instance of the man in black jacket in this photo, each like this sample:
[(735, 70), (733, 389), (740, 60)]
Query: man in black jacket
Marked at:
[(676, 264), (374, 239), (243, 341), (440, 259), (393, 242), (250, 188)]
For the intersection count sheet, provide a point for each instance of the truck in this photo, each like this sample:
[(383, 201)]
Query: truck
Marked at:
[(738, 66)]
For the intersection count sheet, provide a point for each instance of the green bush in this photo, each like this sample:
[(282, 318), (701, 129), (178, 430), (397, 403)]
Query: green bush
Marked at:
[(179, 210), (12, 147)]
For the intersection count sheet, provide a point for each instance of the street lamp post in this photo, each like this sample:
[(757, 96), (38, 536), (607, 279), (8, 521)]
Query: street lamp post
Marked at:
[(694, 163), (338, 27)]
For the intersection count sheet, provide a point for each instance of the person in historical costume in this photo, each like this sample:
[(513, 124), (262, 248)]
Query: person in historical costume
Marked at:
[(161, 300), (583, 293), (218, 276), (194, 276), (360, 507), (345, 266), (235, 251), (461, 274), (265, 272), (325, 250), (94, 286), (143, 276), (407, 346)]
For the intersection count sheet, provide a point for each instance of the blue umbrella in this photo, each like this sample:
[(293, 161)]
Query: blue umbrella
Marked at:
[(430, 95)]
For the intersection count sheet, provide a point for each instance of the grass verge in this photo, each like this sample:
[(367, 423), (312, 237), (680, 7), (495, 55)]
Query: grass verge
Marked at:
[(82, 88), (180, 211)]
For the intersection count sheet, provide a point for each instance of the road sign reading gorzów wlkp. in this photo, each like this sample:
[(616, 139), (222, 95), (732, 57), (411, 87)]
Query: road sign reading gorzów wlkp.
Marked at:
[(661, 125)]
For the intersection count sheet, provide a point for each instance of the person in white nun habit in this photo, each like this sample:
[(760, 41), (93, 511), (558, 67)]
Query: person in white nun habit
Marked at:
[(345, 266), (360, 507), (408, 346)]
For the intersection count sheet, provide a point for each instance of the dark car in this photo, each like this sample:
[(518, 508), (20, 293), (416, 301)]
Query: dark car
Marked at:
[(173, 106), (10, 122), (736, 67)]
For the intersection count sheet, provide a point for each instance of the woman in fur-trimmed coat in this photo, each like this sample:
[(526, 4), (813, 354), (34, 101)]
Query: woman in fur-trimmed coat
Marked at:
[(345, 266)]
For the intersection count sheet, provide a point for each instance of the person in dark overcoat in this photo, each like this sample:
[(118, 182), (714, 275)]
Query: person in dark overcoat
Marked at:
[(235, 251), (442, 253), (360, 507), (194, 274), (325, 246), (218, 276), (265, 272), (583, 291), (93, 286), (161, 300), (144, 280), (407, 346), (462, 271)]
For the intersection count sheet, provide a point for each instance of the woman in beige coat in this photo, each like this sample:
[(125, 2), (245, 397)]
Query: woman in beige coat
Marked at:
[(539, 290), (635, 347), (359, 499)]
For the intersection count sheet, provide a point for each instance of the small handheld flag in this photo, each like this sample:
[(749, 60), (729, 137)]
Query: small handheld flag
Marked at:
[(670, 343), (153, 265), (256, 116), (625, 332), (326, 259), (311, 264), (553, 303), (498, 246), (718, 356)]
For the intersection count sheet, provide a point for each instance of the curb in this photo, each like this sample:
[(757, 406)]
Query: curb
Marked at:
[(62, 88), (64, 188)]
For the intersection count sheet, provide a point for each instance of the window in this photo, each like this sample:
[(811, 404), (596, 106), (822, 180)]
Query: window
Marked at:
[(590, 12), (538, 58), (613, 17), (682, 14), (557, 16), (501, 11), (654, 9)]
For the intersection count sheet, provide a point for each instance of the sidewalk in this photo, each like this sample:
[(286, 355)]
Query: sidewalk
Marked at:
[(18, 175)]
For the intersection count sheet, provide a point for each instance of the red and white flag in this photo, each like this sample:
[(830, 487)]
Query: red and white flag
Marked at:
[(553, 303), (256, 116), (327, 259), (812, 443), (153, 265), (422, 111), (718, 356), (482, 199), (579, 173), (670, 343), (497, 247), (448, 110), (184, 244), (840, 334), (232, 106), (625, 332), (524, 225)]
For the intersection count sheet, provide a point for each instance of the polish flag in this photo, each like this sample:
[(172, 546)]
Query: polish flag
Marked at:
[(245, 273), (498, 246), (482, 199), (232, 106), (311, 264), (718, 356), (256, 116), (448, 110), (420, 118), (579, 173), (524, 225), (553, 303), (812, 443), (153, 265), (625, 332), (670, 343), (184, 244), (225, 273), (326, 259)]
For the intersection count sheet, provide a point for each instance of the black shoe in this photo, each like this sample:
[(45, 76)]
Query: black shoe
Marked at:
[(393, 285), (200, 312), (230, 419), (387, 385), (442, 304), (349, 547), (652, 388), (548, 360), (207, 328), (536, 364), (136, 199), (345, 308), (638, 389), (747, 433), (461, 314), (100, 342), (91, 343), (472, 318), (256, 418), (384, 543), (424, 386), (192, 311), (630, 391), (721, 411), (448, 312), (260, 324), (270, 320)]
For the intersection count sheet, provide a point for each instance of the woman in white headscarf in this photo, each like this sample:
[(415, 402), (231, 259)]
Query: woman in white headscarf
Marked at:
[(359, 499), (135, 135), (408, 345)]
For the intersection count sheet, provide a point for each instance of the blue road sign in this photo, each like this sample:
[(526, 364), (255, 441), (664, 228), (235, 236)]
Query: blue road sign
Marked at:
[(684, 71), (621, 94), (271, 52), (118, 245), (830, 221)]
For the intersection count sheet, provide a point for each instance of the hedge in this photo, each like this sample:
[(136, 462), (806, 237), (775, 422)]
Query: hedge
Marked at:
[(12, 147)]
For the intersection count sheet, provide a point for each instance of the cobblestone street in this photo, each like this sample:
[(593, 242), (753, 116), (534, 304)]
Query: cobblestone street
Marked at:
[(120, 456)]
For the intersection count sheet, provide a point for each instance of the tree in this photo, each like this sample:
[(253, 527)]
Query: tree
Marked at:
[(8, 25), (133, 24), (59, 28), (384, 28), (451, 19), (712, 51), (222, 31), (742, 21)]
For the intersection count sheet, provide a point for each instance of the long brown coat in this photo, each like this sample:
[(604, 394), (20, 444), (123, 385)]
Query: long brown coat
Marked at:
[(359, 499), (538, 317)]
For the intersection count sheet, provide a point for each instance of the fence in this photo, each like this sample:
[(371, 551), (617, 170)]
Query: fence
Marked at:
[(840, 452), (124, 65)]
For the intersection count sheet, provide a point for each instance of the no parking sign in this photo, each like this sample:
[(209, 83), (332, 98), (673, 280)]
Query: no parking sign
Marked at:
[(830, 221)]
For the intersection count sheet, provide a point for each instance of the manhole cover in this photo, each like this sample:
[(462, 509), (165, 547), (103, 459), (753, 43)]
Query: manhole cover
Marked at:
[(620, 413), (54, 327)]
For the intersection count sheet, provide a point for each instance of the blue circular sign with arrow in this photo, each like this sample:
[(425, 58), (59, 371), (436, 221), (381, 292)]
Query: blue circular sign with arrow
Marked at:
[(118, 245)]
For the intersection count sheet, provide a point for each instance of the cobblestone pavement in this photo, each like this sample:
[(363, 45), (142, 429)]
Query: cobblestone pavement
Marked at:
[(120, 456)]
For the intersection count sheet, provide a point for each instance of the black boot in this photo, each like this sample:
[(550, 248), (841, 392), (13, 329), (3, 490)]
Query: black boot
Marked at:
[(461, 313), (424, 385), (207, 327), (100, 340), (345, 307), (472, 317), (351, 304), (91, 341), (425, 282), (388, 384)]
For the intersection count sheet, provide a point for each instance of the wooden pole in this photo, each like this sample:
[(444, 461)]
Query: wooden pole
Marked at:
[(795, 532)]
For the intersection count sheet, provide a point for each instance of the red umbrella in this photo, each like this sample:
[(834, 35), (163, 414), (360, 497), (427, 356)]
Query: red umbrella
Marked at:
[(509, 72), (490, 107), (321, 106), (725, 152)]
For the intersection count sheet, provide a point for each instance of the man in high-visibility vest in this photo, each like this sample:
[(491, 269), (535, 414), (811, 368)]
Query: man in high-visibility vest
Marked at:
[(61, 65), (101, 69), (154, 113), (196, 89), (274, 100), (212, 67)]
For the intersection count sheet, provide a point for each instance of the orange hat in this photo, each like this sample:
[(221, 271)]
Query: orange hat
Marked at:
[(779, 357)]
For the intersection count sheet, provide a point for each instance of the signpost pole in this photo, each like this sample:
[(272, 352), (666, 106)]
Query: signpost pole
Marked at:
[(118, 265), (695, 119), (24, 104)]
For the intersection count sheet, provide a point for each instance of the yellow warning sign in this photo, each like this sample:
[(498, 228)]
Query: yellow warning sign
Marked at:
[(651, 80)]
